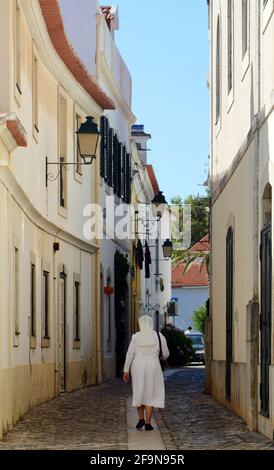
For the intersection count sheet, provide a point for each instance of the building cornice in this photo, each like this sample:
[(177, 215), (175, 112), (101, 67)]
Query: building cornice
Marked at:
[(236, 161), (9, 181), (54, 22), (53, 62), (12, 133)]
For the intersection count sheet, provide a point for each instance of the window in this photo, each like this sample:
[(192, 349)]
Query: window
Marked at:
[(33, 301), (114, 162), (77, 335), (77, 152), (157, 264), (45, 305), (62, 150), (229, 45), (244, 27), (218, 71), (17, 64), (108, 332), (35, 95), (16, 292)]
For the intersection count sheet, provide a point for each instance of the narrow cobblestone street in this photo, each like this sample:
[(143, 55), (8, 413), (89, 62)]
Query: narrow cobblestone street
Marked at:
[(193, 420), (93, 418), (96, 419)]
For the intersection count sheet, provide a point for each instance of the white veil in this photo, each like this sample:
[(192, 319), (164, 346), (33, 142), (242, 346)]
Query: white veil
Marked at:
[(146, 331)]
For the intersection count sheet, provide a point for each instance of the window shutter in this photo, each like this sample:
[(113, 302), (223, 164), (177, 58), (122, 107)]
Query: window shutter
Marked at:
[(119, 169), (123, 171), (111, 158), (115, 163), (106, 138), (102, 170), (127, 180)]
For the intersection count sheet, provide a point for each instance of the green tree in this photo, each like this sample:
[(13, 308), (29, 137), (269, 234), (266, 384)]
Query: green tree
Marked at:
[(199, 318), (199, 218)]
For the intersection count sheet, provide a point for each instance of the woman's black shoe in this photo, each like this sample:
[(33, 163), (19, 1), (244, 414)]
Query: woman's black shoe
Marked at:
[(148, 427), (140, 424)]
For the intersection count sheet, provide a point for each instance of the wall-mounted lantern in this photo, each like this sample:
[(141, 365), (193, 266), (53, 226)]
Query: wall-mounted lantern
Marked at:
[(87, 142), (167, 248), (158, 205)]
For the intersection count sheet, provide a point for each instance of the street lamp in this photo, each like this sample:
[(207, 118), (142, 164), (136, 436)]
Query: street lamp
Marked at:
[(167, 248), (87, 142), (158, 205)]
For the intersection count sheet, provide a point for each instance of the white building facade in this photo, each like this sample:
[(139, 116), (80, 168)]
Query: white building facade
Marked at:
[(241, 83), (49, 289), (153, 286)]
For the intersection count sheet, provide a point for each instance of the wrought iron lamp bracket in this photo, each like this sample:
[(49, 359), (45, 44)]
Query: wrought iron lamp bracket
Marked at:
[(62, 165)]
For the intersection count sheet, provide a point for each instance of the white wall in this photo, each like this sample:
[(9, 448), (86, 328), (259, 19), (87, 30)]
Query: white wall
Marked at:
[(80, 25), (189, 299)]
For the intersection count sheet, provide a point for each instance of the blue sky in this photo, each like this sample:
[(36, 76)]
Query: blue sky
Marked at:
[(165, 45)]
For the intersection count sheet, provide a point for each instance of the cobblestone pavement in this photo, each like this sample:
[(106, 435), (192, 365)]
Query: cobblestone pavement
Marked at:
[(193, 420), (93, 418)]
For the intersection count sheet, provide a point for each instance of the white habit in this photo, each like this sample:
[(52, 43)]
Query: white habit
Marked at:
[(147, 377)]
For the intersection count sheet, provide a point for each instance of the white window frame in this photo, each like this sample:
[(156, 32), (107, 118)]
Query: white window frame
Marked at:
[(246, 57), (78, 174), (45, 340), (218, 117), (76, 282), (17, 53), (62, 150), (33, 298), (16, 293), (230, 96), (268, 10), (35, 93)]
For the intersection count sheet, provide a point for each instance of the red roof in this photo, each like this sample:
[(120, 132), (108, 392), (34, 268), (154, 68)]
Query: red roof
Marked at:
[(196, 274), (55, 27), (202, 245), (153, 179)]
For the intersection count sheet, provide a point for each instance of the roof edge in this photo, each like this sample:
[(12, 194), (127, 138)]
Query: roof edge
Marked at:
[(55, 26)]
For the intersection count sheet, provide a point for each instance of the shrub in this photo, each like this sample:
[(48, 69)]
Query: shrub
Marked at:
[(179, 345), (199, 318)]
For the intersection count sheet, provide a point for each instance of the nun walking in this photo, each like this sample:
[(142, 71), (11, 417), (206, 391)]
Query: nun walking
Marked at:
[(142, 360)]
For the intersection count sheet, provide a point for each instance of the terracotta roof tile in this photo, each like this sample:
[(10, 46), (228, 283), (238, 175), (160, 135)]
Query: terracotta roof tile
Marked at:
[(202, 245), (153, 179), (196, 275), (16, 129), (55, 27), (18, 133)]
